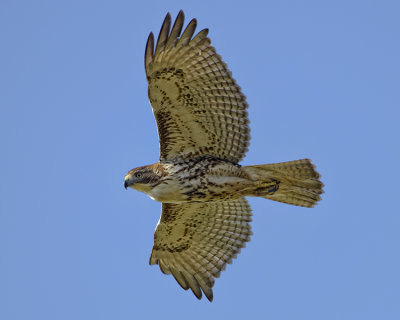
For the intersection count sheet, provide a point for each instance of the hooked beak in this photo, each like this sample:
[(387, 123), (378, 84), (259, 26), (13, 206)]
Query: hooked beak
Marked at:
[(128, 181)]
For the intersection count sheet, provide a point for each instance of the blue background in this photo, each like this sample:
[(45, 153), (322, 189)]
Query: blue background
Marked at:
[(322, 81)]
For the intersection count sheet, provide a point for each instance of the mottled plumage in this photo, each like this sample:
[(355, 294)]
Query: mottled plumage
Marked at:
[(203, 129), (198, 106), (194, 241)]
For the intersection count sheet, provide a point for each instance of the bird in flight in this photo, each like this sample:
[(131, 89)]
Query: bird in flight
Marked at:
[(203, 130)]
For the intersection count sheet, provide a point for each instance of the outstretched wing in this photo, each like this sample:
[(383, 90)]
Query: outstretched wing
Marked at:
[(199, 108), (195, 241)]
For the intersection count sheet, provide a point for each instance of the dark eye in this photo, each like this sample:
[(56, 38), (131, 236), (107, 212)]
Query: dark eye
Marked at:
[(138, 175)]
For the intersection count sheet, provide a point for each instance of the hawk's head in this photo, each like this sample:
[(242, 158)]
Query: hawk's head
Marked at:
[(142, 178)]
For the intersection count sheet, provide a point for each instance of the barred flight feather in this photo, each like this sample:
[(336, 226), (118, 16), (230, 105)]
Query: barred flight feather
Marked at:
[(190, 84), (211, 243)]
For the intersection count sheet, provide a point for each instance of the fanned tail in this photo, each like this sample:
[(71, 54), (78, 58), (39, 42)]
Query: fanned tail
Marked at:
[(293, 182)]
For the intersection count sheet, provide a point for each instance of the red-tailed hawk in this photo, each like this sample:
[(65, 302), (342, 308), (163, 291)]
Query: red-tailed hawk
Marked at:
[(203, 129)]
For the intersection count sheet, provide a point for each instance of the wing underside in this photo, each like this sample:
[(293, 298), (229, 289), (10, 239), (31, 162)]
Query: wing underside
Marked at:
[(195, 241), (198, 106)]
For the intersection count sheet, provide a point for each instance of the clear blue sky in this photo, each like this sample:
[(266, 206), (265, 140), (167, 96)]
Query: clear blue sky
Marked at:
[(322, 80)]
